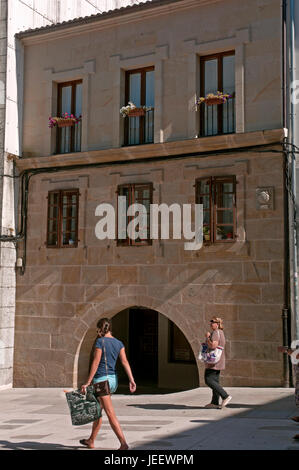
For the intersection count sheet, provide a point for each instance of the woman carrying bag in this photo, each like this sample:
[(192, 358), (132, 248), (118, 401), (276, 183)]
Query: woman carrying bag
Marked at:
[(293, 351), (103, 376), (214, 339)]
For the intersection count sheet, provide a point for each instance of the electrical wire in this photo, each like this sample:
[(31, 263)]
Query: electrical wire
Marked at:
[(26, 175)]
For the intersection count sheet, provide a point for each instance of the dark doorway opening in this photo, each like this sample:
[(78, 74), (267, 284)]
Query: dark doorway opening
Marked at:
[(159, 354), (142, 351), (143, 340)]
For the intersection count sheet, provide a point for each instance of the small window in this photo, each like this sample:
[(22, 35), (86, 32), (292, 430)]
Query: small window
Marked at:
[(218, 197), (135, 194), (217, 73), (62, 231), (69, 101), (179, 348), (140, 90)]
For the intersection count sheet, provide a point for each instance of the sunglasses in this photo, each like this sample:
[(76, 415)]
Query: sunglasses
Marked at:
[(213, 321)]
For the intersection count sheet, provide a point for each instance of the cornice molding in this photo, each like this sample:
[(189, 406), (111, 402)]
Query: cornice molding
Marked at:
[(112, 19), (230, 142)]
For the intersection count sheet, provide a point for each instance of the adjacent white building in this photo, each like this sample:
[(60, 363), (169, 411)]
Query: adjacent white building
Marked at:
[(20, 15)]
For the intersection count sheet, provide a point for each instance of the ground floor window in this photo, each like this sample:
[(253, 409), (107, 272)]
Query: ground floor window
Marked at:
[(218, 197), (140, 193), (62, 230)]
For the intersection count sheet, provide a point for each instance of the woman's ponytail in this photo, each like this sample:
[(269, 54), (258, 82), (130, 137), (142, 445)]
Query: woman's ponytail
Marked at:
[(105, 326)]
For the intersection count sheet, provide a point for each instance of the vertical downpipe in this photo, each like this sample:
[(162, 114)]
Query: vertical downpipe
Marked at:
[(294, 141), (285, 310)]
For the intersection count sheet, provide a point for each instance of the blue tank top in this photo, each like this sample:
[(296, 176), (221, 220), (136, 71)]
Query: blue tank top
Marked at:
[(113, 347)]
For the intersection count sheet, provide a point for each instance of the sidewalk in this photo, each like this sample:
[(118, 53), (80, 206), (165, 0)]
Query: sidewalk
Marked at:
[(255, 419)]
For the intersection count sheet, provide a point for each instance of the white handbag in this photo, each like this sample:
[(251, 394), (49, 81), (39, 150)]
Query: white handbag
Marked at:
[(210, 356)]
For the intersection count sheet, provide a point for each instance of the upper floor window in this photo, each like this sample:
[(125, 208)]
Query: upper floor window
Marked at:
[(63, 208), (141, 193), (69, 101), (140, 90), (217, 73), (218, 196)]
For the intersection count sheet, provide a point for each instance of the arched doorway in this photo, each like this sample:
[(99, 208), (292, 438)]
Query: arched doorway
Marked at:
[(161, 358)]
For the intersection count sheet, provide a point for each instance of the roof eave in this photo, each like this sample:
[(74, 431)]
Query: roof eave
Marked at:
[(107, 19)]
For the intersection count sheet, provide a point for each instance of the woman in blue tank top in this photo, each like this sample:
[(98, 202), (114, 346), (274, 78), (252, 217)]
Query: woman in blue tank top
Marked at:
[(101, 370)]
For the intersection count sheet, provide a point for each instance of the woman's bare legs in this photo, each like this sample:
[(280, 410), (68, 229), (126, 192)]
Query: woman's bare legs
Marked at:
[(94, 432), (95, 429), (106, 403)]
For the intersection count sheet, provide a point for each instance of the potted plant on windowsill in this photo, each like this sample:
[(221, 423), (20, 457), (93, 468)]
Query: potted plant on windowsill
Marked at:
[(66, 120), (133, 111), (214, 98), (206, 234), (220, 234)]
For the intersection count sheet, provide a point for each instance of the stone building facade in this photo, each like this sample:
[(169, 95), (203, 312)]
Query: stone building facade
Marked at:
[(160, 295)]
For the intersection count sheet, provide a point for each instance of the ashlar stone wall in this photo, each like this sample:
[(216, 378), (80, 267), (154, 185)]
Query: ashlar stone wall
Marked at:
[(65, 291)]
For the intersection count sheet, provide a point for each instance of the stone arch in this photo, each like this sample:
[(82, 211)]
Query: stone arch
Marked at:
[(91, 313)]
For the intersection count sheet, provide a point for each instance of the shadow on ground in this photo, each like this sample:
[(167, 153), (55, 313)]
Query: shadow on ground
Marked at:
[(28, 445), (270, 428), (171, 406), (123, 389)]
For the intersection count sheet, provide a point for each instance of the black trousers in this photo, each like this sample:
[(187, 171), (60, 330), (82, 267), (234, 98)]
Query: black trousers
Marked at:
[(212, 377)]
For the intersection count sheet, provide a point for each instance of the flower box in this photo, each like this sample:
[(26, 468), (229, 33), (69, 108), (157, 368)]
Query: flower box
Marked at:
[(61, 122), (214, 98), (67, 120), (135, 112), (212, 101)]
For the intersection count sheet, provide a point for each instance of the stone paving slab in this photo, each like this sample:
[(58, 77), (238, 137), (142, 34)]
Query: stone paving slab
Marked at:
[(255, 419)]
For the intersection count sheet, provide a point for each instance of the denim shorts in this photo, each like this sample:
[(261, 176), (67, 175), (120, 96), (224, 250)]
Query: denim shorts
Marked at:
[(113, 382)]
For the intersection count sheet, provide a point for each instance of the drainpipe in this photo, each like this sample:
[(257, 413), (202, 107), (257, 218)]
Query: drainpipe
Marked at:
[(286, 308), (290, 310), (293, 129), (294, 141)]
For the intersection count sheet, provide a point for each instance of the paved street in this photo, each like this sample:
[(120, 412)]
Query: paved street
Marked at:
[(256, 419)]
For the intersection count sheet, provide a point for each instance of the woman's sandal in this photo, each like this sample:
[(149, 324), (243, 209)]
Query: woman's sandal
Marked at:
[(84, 442)]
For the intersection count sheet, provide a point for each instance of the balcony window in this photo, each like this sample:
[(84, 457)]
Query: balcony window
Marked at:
[(69, 101), (140, 90), (217, 73), (218, 197)]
